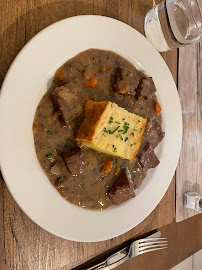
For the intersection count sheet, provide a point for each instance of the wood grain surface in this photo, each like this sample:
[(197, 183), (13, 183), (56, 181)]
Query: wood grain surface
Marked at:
[(189, 171), (184, 239), (24, 245)]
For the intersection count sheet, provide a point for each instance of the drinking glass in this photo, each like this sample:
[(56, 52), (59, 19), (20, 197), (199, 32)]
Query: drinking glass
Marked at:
[(174, 23)]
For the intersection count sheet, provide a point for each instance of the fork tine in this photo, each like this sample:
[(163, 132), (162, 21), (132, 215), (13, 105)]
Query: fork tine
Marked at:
[(152, 243), (151, 239), (152, 249), (152, 246)]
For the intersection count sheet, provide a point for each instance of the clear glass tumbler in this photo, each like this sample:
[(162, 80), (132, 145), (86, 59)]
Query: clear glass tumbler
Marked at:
[(174, 23)]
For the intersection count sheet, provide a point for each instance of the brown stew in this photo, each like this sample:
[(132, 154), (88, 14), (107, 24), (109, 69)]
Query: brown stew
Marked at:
[(86, 177)]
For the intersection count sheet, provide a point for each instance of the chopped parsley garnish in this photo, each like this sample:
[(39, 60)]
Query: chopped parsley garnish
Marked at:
[(126, 128), (111, 120), (49, 155), (75, 107), (117, 122), (142, 109), (132, 134), (83, 186), (50, 132), (117, 136), (138, 120), (115, 129), (104, 135), (120, 130), (123, 118), (111, 132), (132, 144), (122, 138), (126, 139), (71, 118), (88, 164), (135, 129), (115, 149), (99, 154), (116, 160), (141, 130)]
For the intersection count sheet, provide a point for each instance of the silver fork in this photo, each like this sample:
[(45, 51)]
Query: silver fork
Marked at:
[(152, 243)]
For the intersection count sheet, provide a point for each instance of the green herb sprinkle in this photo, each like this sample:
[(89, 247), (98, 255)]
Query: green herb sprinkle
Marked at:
[(71, 118)]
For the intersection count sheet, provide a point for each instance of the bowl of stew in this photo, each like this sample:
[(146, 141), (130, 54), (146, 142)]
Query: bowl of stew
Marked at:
[(68, 186), (84, 176)]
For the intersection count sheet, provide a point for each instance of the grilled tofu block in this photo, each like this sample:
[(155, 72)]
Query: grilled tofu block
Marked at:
[(111, 129)]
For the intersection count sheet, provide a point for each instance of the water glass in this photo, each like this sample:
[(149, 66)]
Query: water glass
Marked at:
[(174, 23)]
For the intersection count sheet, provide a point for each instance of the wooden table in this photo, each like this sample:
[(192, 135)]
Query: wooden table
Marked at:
[(24, 245)]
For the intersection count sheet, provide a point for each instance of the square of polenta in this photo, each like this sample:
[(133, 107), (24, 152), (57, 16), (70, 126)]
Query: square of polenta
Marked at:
[(111, 129)]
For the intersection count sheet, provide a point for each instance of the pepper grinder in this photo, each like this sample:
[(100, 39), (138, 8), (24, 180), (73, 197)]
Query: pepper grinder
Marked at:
[(193, 200)]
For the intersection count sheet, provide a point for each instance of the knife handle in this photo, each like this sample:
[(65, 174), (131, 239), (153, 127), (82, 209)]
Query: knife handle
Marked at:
[(103, 266), (112, 261), (98, 266)]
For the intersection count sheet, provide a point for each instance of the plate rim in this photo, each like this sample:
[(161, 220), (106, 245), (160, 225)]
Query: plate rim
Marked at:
[(2, 93)]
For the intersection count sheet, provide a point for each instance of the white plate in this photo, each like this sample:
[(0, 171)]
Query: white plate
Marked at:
[(23, 88)]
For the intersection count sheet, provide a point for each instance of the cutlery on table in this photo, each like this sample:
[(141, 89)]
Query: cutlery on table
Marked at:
[(151, 243)]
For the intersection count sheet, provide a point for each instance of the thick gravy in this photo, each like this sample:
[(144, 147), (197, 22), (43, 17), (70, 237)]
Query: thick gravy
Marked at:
[(90, 187)]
